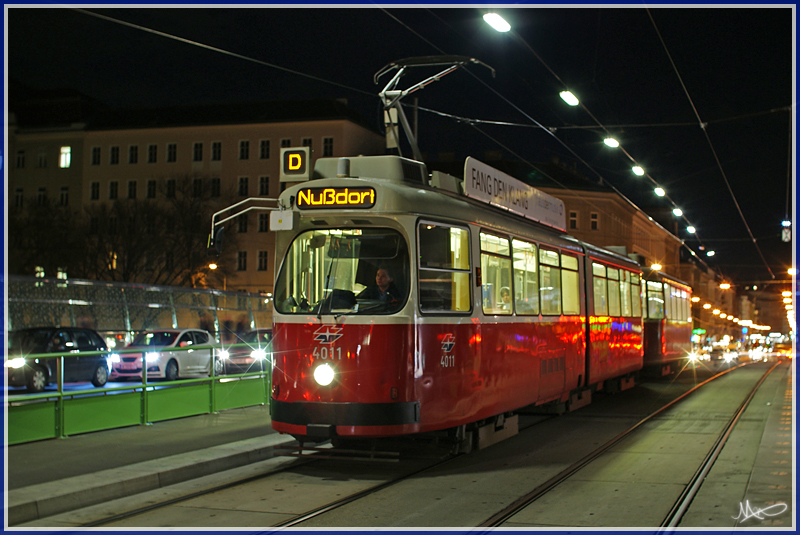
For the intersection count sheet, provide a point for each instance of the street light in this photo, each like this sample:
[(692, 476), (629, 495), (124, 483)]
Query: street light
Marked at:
[(611, 142), (725, 286), (212, 266), (569, 98), (497, 22)]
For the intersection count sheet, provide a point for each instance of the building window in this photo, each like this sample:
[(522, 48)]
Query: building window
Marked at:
[(19, 198), (197, 155), (114, 156), (262, 260), (573, 220), (263, 222), (152, 153), (264, 149), (216, 151), (41, 196), (20, 159), (95, 191), (244, 150), (197, 187), (171, 188), (263, 185), (113, 190), (327, 146), (241, 261), (63, 198), (42, 161), (286, 143), (243, 186), (151, 189), (172, 152), (133, 154), (307, 142), (65, 157), (132, 189), (96, 155), (594, 221), (215, 187), (242, 223)]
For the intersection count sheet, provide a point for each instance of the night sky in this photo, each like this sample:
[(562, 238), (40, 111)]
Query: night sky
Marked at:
[(650, 77)]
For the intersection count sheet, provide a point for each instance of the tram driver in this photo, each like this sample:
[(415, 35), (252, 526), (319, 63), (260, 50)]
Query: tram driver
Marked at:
[(384, 289)]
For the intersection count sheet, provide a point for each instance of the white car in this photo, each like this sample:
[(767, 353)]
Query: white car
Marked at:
[(168, 353)]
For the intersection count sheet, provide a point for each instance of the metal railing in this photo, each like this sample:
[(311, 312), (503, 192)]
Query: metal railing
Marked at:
[(60, 413)]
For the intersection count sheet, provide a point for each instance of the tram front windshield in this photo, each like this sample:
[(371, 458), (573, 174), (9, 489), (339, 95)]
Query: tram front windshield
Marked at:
[(344, 271)]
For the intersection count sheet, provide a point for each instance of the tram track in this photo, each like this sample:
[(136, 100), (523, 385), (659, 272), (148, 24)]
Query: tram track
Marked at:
[(412, 471)]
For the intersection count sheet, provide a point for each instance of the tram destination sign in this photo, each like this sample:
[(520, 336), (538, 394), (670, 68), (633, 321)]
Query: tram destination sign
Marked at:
[(319, 198), (491, 186)]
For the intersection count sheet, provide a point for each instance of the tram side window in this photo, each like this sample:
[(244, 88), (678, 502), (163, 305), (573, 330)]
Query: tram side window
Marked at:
[(526, 281), (570, 287), (495, 274), (636, 296), (625, 291), (600, 289), (550, 282), (444, 268), (613, 292), (687, 307), (655, 300)]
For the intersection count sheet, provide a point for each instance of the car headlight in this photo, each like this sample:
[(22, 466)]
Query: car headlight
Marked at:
[(151, 357), (323, 374), (223, 354), (694, 357), (18, 362), (113, 357), (258, 354), (729, 357)]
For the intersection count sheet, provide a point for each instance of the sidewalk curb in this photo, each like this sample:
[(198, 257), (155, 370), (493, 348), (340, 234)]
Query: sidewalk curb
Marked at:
[(47, 499)]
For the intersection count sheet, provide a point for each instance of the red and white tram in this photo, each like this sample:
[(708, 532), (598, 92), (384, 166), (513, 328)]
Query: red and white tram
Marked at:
[(442, 349), (667, 322)]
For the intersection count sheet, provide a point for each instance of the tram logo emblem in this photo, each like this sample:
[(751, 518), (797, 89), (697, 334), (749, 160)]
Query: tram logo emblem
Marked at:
[(448, 342), (327, 334)]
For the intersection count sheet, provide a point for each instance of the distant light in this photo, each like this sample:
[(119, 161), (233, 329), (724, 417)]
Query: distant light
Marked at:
[(497, 22), (690, 229), (677, 212), (786, 294), (725, 286), (716, 312), (655, 267), (707, 306), (786, 223), (638, 171), (710, 253), (569, 98), (789, 307), (212, 266), (695, 299), (723, 315), (611, 142), (787, 300), (660, 192), (792, 271)]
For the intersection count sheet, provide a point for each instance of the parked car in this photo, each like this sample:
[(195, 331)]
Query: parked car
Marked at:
[(36, 373), (723, 355), (168, 354), (253, 357)]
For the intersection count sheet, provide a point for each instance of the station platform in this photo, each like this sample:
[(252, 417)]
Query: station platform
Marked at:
[(49, 477)]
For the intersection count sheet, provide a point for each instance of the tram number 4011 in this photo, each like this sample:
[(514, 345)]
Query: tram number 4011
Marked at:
[(448, 361), (325, 353)]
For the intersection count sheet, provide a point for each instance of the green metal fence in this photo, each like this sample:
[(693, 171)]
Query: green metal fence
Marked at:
[(118, 311)]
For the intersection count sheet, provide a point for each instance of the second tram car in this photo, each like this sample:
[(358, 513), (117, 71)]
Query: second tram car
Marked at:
[(404, 306), (667, 322)]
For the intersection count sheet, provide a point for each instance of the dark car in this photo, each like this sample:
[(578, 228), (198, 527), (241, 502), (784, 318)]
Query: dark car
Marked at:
[(253, 354), (36, 373)]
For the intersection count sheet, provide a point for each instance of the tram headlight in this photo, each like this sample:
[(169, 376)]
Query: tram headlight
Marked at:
[(258, 354), (223, 354), (323, 374)]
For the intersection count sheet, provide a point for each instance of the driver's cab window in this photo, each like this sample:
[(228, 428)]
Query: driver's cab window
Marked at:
[(344, 271)]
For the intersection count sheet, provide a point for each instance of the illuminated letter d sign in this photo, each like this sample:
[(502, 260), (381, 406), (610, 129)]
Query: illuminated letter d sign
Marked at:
[(295, 164)]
